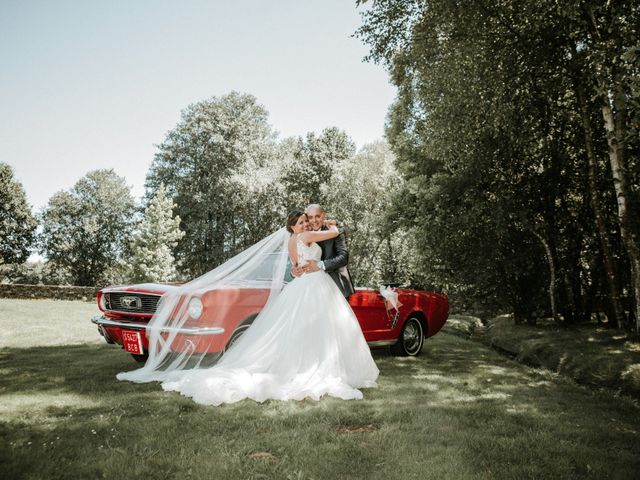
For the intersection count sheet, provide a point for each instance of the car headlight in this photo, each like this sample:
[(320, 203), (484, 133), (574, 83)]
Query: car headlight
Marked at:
[(102, 304), (195, 308)]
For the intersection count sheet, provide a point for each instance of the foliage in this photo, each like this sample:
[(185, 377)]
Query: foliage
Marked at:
[(359, 194), (489, 134), (151, 248), (86, 230), (228, 198), (17, 224), (310, 163), (207, 163), (231, 180), (40, 272)]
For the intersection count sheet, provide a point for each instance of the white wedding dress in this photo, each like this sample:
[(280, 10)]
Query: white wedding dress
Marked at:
[(307, 343)]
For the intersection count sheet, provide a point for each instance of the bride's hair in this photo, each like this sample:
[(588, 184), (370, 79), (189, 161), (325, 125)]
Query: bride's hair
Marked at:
[(292, 219)]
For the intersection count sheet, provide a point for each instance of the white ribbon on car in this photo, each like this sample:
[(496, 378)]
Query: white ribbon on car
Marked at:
[(390, 296), (391, 299)]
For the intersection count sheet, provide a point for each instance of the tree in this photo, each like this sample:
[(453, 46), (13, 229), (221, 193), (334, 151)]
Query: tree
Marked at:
[(17, 224), (359, 195), (86, 230), (205, 162), (34, 273), (495, 130), (609, 36), (310, 165), (151, 249)]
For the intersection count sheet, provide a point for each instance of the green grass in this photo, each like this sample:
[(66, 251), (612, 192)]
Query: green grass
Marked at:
[(463, 325), (459, 411), (588, 353), (26, 323)]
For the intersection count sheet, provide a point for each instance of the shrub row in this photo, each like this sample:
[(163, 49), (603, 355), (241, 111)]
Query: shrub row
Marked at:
[(56, 292)]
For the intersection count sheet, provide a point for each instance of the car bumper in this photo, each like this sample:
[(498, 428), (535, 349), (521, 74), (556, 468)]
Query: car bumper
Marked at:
[(103, 321)]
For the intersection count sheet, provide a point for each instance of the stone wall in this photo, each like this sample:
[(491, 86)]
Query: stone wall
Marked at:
[(58, 292)]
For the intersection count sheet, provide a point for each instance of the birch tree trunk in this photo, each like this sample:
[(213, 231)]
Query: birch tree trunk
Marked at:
[(615, 127), (552, 275), (605, 242), (614, 113)]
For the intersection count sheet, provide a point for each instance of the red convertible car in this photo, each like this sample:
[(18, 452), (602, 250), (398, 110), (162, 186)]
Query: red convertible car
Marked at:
[(219, 317)]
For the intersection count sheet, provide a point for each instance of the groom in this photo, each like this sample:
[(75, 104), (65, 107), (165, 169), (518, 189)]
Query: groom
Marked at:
[(334, 253)]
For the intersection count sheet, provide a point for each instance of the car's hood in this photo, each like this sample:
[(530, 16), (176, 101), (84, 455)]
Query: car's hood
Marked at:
[(162, 288), (153, 288)]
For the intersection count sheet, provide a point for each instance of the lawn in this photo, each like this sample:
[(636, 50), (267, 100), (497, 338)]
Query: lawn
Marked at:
[(588, 353), (459, 411), (39, 323)]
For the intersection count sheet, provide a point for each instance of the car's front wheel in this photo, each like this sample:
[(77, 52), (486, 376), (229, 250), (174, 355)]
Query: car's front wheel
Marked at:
[(411, 339)]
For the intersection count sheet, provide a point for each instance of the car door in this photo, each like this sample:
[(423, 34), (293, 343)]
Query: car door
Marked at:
[(370, 309)]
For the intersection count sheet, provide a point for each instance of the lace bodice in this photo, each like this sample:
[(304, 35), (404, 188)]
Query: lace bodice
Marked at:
[(306, 253)]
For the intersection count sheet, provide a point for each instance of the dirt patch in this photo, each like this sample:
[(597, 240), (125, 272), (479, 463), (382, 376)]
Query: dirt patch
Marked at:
[(263, 456)]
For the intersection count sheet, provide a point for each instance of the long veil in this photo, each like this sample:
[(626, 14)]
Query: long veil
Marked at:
[(191, 317)]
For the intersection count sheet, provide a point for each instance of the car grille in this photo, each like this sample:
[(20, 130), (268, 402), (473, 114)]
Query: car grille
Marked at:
[(132, 302)]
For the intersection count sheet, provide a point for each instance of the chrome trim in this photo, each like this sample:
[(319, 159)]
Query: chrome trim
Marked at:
[(131, 301), (396, 317), (147, 305), (149, 314), (102, 320), (381, 343)]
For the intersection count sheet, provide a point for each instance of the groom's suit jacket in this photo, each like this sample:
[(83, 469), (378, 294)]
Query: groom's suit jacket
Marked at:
[(335, 257)]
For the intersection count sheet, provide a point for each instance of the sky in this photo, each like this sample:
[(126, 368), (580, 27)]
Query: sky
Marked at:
[(86, 85)]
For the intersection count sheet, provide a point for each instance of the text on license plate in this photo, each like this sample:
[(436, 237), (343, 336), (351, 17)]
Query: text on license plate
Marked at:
[(132, 342)]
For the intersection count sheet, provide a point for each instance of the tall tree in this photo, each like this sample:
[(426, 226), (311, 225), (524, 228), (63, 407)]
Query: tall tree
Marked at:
[(157, 234), (87, 229), (202, 162), (495, 132), (613, 53), (359, 195), (17, 224), (310, 165)]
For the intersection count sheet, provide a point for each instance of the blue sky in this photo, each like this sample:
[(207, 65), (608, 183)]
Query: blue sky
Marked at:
[(87, 85)]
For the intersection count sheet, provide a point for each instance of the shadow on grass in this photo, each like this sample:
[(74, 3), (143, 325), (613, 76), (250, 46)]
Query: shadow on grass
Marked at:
[(90, 370), (458, 411), (84, 369), (586, 353)]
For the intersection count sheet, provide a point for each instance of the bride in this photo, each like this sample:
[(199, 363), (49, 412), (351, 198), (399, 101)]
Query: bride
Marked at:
[(305, 343)]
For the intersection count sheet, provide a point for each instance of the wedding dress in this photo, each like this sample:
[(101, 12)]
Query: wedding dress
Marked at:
[(306, 343)]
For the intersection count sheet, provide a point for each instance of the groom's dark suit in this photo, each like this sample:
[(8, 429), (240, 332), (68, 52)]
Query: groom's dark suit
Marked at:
[(335, 257)]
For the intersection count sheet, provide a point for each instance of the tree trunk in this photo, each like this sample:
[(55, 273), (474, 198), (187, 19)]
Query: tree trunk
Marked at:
[(605, 242), (614, 113), (552, 275), (615, 128)]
